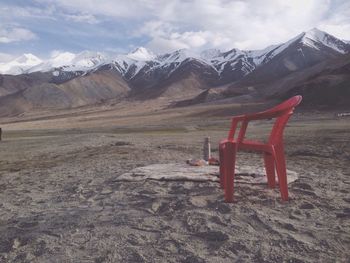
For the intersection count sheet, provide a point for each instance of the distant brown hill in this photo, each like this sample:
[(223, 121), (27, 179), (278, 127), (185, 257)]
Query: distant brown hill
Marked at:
[(32, 93)]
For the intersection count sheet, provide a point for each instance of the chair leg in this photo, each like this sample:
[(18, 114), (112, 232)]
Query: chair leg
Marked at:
[(222, 164), (270, 169), (281, 171), (230, 161)]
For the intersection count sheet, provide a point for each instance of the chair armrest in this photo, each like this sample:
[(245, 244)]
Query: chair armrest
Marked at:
[(251, 117), (234, 121), (245, 119), (265, 115)]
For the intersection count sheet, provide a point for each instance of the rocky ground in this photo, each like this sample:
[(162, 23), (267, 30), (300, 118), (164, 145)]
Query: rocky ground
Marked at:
[(60, 200)]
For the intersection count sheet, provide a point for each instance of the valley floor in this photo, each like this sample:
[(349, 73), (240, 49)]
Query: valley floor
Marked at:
[(60, 202)]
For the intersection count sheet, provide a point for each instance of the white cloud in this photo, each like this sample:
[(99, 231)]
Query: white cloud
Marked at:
[(198, 24), (50, 12), (4, 57), (26, 12), (188, 39), (246, 24), (338, 23), (120, 8), (250, 24), (163, 45), (15, 34), (339, 31), (81, 18)]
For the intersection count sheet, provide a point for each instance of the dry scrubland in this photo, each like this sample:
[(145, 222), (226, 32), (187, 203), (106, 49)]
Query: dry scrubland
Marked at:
[(60, 202)]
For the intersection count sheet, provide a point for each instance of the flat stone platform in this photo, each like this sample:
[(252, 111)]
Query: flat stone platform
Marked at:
[(185, 172)]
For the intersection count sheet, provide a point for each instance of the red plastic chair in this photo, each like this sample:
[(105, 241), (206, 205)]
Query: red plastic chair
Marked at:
[(273, 150)]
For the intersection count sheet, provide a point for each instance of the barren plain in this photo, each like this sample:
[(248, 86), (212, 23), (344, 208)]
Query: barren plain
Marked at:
[(60, 200)]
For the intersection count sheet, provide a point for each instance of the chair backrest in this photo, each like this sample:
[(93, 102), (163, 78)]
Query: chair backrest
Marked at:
[(287, 105), (283, 112), (280, 109)]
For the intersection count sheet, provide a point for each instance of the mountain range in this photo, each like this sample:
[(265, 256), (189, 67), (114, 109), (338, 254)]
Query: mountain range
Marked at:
[(314, 64)]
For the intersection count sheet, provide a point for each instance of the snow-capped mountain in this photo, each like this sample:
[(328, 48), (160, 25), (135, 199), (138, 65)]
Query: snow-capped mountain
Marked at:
[(71, 80), (66, 61), (141, 54), (299, 53), (315, 37), (131, 63), (20, 65), (235, 64), (229, 65)]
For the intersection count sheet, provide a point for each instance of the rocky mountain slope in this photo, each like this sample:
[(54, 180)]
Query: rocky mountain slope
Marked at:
[(71, 80), (326, 85), (40, 91)]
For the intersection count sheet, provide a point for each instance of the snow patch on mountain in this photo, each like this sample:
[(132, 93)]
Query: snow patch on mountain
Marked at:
[(66, 61), (133, 61), (87, 60), (210, 54), (141, 54), (59, 60), (265, 55), (129, 65), (175, 59), (124, 63), (315, 36), (19, 65)]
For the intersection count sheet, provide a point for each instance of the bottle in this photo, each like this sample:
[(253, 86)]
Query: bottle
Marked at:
[(206, 149)]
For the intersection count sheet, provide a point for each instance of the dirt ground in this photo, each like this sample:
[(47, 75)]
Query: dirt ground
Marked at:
[(60, 201)]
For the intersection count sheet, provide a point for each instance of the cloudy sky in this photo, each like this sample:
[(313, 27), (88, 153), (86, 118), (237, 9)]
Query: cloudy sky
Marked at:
[(43, 27)]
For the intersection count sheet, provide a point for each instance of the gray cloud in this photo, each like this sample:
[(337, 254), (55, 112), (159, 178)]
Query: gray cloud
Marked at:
[(198, 24), (81, 18), (4, 57), (15, 34), (224, 24)]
